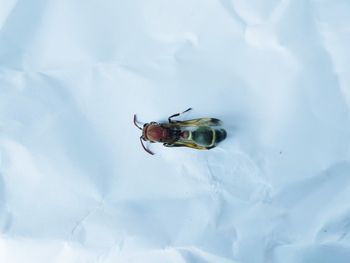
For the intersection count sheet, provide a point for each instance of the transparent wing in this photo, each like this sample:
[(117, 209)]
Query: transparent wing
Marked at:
[(199, 122), (186, 143)]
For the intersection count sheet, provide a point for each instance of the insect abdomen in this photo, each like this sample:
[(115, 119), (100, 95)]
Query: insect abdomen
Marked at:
[(208, 136), (220, 135), (203, 136)]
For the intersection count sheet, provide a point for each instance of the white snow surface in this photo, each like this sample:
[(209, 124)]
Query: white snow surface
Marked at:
[(75, 184)]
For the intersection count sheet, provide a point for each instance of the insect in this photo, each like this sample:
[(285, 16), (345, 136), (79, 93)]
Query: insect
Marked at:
[(201, 134)]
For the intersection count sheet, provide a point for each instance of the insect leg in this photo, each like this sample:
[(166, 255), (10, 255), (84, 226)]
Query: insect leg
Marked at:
[(143, 146), (178, 114), (135, 122)]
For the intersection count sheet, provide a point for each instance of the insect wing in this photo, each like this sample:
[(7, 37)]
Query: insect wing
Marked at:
[(199, 122), (186, 143)]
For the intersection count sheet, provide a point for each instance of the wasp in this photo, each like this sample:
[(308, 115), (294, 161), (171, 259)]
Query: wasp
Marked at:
[(201, 134)]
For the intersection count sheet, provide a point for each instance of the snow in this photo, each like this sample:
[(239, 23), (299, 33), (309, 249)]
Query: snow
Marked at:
[(75, 183)]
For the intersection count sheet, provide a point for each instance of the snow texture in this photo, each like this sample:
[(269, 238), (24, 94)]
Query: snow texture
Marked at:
[(75, 184)]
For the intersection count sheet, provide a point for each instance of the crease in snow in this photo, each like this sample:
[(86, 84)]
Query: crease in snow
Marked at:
[(195, 254), (231, 11), (335, 229), (6, 218), (242, 178), (7, 7), (24, 32), (80, 222), (341, 74), (254, 13), (263, 34), (334, 176), (214, 181), (278, 11)]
